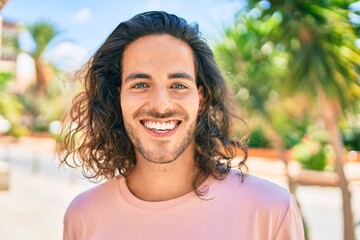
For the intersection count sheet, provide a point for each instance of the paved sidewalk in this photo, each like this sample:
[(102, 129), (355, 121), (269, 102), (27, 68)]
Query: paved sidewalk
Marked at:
[(39, 193)]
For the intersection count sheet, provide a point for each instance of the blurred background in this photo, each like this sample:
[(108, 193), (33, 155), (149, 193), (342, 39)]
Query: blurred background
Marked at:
[(293, 67)]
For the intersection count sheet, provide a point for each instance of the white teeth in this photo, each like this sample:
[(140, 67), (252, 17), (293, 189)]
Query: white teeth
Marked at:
[(161, 126)]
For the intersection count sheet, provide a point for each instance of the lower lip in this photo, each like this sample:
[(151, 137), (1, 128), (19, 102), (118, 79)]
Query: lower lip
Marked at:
[(161, 135)]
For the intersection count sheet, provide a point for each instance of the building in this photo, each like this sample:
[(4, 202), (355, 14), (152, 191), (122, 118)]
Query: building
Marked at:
[(9, 48)]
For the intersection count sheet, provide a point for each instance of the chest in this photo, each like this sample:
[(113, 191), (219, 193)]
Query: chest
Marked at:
[(200, 222)]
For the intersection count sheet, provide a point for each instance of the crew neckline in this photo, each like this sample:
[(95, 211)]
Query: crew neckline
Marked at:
[(149, 205)]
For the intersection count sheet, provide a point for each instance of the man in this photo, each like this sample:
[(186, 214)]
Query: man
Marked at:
[(155, 122)]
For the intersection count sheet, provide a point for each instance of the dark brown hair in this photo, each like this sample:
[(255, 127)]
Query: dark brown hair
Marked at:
[(94, 136)]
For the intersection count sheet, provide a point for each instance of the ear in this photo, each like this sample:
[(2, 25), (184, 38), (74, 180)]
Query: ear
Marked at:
[(201, 98)]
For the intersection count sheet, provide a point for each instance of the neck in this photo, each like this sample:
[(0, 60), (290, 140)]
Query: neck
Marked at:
[(159, 182)]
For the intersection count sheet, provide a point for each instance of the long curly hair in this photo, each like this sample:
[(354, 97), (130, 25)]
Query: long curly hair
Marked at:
[(94, 134)]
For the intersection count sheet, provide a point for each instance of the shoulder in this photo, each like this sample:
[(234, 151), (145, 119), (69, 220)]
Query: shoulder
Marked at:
[(80, 216), (92, 197), (269, 205), (87, 209), (258, 191)]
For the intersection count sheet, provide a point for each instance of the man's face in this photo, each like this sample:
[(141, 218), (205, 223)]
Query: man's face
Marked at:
[(159, 97)]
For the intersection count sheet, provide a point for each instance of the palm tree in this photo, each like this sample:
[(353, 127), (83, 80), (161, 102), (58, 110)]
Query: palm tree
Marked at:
[(319, 39), (254, 69), (42, 33)]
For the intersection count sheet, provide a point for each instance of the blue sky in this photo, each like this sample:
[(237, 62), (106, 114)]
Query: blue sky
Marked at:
[(86, 23)]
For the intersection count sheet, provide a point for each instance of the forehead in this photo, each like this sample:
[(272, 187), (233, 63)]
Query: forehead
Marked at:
[(158, 52)]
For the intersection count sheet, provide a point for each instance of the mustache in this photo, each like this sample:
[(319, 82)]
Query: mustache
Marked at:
[(153, 113)]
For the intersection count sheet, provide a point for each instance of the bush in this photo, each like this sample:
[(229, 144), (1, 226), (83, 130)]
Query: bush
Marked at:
[(10, 107), (258, 139), (351, 139), (40, 111), (313, 151), (351, 131)]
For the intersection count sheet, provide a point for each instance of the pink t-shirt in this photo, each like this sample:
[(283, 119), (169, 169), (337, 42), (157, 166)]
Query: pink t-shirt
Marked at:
[(254, 209)]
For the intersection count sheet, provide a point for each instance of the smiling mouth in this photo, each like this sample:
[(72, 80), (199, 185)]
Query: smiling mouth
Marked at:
[(161, 127)]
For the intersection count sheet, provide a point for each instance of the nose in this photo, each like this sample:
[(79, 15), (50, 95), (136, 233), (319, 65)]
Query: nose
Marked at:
[(160, 99)]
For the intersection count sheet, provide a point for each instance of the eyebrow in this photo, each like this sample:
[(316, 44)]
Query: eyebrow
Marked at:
[(134, 76), (177, 75), (180, 75)]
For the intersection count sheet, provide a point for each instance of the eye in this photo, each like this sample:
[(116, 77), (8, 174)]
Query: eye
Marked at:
[(140, 85), (178, 86)]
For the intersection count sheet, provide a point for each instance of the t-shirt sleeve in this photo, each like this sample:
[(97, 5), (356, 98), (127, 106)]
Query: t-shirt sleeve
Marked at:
[(74, 223), (291, 226)]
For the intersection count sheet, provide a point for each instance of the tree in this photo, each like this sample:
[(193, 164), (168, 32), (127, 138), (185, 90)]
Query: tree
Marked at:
[(319, 39), (254, 68), (42, 33)]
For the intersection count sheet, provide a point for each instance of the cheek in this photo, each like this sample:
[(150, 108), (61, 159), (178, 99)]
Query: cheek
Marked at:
[(126, 107), (191, 104), (130, 103)]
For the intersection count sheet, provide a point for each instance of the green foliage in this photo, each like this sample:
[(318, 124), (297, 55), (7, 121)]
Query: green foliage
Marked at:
[(40, 111), (31, 112), (313, 151), (351, 132), (320, 41), (351, 139), (5, 77), (256, 70), (11, 109), (258, 139), (291, 128), (43, 102), (272, 53), (10, 106), (248, 58)]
